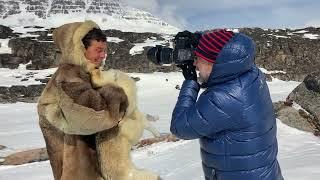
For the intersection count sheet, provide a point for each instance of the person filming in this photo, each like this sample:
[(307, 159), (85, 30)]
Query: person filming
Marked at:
[(233, 118)]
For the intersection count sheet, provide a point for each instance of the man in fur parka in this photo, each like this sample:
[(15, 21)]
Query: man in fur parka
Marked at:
[(66, 114)]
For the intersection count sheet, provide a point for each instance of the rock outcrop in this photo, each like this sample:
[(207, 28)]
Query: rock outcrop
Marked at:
[(19, 93), (287, 54), (293, 52), (307, 95), (306, 116)]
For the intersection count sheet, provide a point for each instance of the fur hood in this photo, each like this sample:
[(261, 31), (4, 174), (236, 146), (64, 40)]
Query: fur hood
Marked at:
[(68, 39)]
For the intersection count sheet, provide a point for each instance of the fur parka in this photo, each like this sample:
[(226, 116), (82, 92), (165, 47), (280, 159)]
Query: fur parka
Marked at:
[(67, 121)]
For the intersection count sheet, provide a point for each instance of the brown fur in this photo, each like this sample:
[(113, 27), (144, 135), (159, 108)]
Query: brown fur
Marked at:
[(112, 96), (71, 158), (67, 126), (72, 112), (108, 97), (81, 91)]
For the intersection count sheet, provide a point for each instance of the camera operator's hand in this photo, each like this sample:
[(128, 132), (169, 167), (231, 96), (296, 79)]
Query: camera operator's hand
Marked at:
[(188, 71)]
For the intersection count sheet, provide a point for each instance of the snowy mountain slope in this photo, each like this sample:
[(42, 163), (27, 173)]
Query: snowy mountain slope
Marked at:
[(110, 14)]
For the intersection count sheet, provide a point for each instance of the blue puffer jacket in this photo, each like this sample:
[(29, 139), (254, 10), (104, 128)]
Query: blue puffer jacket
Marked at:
[(233, 118)]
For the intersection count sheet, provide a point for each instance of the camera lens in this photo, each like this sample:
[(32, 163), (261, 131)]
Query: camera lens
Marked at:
[(152, 55), (166, 56), (160, 55)]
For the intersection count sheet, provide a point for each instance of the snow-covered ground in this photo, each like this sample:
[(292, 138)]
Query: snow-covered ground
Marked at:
[(299, 152)]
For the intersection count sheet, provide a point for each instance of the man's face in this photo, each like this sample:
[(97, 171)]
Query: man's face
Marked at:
[(204, 67), (96, 52)]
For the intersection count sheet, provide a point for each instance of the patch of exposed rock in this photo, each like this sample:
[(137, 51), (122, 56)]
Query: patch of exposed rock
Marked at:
[(2, 147), (34, 155), (307, 95), (6, 32), (19, 93), (293, 117)]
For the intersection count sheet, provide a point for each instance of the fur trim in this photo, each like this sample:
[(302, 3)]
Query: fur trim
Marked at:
[(68, 39)]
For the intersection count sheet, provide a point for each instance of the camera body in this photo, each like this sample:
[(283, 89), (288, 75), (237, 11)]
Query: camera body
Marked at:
[(183, 52)]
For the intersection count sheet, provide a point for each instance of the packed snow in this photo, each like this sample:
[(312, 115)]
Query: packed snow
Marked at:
[(4, 48), (138, 48), (21, 76), (299, 152)]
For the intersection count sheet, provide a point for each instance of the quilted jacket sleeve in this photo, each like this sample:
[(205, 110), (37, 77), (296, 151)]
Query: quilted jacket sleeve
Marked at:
[(212, 113)]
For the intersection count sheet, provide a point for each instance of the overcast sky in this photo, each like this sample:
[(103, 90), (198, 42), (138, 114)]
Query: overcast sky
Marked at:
[(208, 14)]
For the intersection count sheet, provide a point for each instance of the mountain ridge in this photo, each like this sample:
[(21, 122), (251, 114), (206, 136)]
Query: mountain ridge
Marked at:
[(110, 14)]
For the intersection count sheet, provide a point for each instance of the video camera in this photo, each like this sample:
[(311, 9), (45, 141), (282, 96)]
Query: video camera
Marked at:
[(183, 53)]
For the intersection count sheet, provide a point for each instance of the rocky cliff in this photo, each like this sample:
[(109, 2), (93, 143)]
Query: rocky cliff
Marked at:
[(290, 53), (286, 54)]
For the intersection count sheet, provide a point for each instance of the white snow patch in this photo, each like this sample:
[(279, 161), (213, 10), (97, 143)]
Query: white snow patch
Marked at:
[(9, 77), (301, 32), (138, 48), (114, 39), (271, 72), (311, 36), (4, 48)]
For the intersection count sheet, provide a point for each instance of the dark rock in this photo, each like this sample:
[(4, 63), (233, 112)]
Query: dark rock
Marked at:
[(2, 147), (41, 54), (312, 81), (268, 77), (4, 90), (36, 27), (136, 78), (6, 32), (307, 95), (4, 58), (34, 90), (18, 91), (295, 55), (45, 81), (21, 93), (9, 61), (291, 117)]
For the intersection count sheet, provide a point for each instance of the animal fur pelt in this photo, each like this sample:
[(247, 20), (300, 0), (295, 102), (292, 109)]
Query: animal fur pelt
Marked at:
[(127, 134)]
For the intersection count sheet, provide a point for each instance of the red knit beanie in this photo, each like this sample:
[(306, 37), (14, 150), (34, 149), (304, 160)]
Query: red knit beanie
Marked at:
[(211, 43)]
